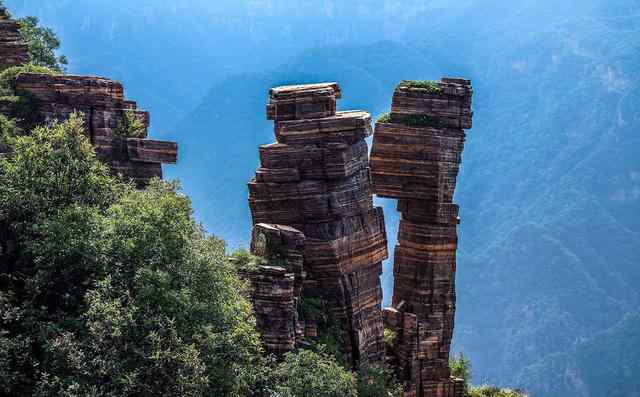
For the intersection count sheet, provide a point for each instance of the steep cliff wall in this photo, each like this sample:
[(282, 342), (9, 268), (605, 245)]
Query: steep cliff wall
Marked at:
[(415, 158), (316, 179)]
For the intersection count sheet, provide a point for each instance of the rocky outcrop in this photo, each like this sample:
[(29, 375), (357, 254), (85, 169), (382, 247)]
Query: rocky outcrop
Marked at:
[(316, 179), (276, 288), (56, 97), (13, 50), (415, 158)]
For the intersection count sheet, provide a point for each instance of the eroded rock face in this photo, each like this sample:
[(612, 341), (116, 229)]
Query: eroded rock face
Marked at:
[(276, 289), (316, 179), (13, 51), (56, 97), (415, 158)]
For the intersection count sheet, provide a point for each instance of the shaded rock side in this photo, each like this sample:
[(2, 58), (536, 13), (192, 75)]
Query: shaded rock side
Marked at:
[(416, 158), (316, 178), (276, 288)]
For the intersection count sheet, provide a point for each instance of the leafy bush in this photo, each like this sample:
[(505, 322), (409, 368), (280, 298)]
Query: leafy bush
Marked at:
[(384, 118), (131, 126), (119, 291), (389, 339), (492, 391), (461, 368), (42, 43), (378, 381), (312, 374)]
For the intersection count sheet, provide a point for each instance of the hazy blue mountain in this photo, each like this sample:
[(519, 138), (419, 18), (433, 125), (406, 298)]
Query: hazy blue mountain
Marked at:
[(550, 185)]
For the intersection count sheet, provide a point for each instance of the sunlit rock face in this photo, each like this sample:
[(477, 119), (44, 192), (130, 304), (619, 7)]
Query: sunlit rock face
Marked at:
[(316, 179), (416, 156)]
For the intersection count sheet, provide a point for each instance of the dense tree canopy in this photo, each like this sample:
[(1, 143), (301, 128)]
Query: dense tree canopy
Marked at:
[(111, 290)]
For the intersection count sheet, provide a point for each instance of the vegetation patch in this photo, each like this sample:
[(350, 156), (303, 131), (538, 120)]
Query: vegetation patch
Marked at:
[(431, 86), (422, 120), (384, 118), (130, 126), (461, 368)]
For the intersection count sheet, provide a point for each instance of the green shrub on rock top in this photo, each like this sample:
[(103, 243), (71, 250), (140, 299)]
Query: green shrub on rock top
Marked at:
[(430, 86), (384, 118)]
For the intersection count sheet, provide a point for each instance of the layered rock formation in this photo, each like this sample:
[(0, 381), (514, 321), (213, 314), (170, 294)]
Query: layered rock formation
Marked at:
[(45, 98), (55, 97), (415, 158), (13, 51), (315, 178), (276, 288)]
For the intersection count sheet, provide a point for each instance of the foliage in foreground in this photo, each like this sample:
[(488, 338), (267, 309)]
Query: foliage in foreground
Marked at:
[(110, 290), (310, 374)]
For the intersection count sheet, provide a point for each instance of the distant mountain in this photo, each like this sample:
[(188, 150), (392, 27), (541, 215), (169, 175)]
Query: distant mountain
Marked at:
[(550, 185), (549, 189)]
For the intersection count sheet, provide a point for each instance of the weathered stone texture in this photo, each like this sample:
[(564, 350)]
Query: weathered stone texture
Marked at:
[(13, 51), (276, 289), (416, 158), (316, 179), (55, 97)]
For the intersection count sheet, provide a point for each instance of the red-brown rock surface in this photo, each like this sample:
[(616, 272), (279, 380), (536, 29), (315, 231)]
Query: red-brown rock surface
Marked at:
[(13, 51), (276, 289), (415, 158), (316, 179), (55, 97)]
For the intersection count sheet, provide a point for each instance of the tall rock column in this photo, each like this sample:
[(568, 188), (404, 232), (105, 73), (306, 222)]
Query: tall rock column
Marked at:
[(316, 179), (415, 158)]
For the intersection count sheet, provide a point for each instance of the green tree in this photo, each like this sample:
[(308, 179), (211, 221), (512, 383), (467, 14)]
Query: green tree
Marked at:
[(309, 374), (378, 381), (42, 43), (112, 291)]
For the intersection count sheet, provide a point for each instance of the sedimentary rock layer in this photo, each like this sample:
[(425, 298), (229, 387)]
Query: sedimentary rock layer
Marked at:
[(416, 158), (316, 179), (13, 50), (297, 102), (276, 289), (449, 104), (101, 101)]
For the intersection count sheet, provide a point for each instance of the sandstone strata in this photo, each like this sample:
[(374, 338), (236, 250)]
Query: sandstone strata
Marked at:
[(415, 158), (276, 288), (101, 101), (13, 51), (316, 179)]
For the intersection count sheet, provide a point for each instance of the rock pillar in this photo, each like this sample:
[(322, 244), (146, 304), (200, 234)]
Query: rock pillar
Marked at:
[(415, 158)]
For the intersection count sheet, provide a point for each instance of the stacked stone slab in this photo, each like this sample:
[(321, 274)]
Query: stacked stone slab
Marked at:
[(102, 102), (13, 50), (415, 158), (316, 179), (276, 288)]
